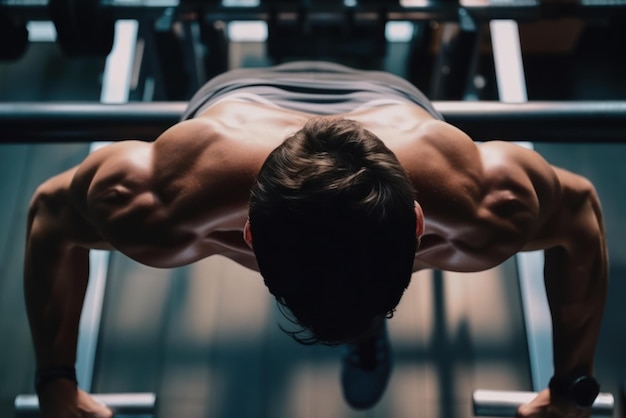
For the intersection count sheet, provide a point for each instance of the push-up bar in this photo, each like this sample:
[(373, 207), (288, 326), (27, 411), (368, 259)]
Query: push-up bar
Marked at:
[(496, 403), (486, 403), (564, 122), (121, 404)]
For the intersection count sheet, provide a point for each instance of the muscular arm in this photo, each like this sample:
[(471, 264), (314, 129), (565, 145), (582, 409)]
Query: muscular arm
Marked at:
[(495, 199), (568, 226), (576, 274), (69, 214), (60, 233), (56, 271), (125, 196)]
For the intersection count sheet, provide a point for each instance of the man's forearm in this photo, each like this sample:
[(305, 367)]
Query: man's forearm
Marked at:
[(56, 271), (54, 295), (577, 293)]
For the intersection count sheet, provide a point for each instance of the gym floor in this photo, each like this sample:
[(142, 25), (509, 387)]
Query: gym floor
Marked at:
[(205, 338)]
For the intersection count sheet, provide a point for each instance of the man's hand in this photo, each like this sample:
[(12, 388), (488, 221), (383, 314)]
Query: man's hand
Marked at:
[(62, 399), (545, 407)]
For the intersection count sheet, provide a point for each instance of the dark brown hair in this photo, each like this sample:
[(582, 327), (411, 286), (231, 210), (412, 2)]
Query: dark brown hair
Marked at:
[(333, 228)]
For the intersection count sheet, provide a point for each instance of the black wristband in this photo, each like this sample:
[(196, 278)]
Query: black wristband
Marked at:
[(48, 374), (582, 390)]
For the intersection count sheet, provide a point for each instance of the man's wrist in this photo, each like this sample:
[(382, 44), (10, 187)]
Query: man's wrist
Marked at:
[(46, 375)]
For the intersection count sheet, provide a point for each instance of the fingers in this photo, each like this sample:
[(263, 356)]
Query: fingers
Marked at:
[(531, 411), (543, 406), (92, 409), (537, 408), (100, 411)]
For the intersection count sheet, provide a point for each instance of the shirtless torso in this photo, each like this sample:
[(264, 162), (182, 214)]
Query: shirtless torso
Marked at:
[(185, 197)]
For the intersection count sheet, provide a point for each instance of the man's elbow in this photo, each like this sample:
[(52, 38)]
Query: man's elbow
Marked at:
[(54, 222), (596, 205)]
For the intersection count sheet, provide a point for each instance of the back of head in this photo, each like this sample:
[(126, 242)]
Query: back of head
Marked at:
[(333, 226)]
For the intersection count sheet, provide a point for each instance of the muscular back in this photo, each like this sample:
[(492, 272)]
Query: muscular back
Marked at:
[(184, 197)]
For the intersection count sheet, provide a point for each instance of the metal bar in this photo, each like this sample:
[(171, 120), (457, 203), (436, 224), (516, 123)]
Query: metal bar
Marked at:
[(497, 403), (509, 65), (564, 122), (539, 121), (119, 403), (115, 89), (146, 9)]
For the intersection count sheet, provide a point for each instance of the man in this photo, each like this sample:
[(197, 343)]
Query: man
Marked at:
[(336, 184)]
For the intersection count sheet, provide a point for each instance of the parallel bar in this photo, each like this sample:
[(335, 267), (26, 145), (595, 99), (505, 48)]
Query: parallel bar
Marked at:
[(496, 403), (538, 121), (119, 403), (564, 122), (115, 89)]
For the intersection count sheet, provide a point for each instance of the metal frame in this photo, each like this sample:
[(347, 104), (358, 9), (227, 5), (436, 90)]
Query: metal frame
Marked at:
[(116, 81), (511, 83), (565, 122), (262, 10)]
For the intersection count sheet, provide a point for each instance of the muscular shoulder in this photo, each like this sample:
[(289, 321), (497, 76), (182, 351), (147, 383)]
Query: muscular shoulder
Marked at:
[(156, 202), (186, 141), (490, 173), (520, 172), (113, 186), (521, 191), (444, 166), (488, 201), (129, 167), (114, 190), (434, 143), (110, 171)]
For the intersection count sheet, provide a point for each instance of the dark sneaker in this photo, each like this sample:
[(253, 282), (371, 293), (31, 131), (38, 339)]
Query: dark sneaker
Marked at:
[(365, 370)]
